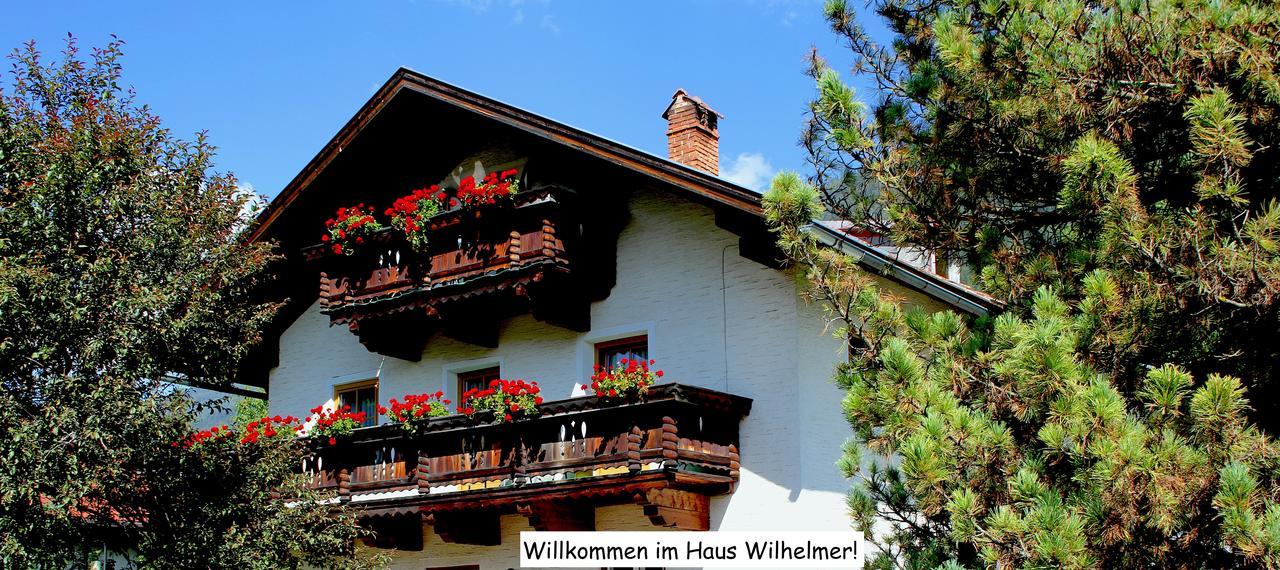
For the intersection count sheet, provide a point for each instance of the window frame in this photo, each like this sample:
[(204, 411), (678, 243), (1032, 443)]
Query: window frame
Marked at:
[(339, 389), (628, 342), (460, 378), (449, 372)]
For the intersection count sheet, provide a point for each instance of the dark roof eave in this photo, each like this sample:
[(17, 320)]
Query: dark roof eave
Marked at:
[(942, 289)]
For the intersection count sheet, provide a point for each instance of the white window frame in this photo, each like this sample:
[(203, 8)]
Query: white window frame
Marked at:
[(587, 345), (449, 373)]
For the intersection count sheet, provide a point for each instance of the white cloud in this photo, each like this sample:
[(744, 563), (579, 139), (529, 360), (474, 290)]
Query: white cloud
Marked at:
[(253, 205), (750, 169), (477, 6), (549, 22)]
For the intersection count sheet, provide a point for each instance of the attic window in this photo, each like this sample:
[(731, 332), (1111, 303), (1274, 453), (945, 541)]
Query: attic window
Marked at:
[(481, 163)]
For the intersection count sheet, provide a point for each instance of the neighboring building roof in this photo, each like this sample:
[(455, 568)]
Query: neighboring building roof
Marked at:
[(839, 235), (697, 182)]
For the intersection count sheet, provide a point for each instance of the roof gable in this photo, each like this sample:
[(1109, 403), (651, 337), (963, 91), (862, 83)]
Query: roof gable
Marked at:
[(667, 172)]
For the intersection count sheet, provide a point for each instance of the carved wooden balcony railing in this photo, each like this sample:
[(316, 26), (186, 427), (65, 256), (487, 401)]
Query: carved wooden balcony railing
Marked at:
[(669, 453), (480, 266)]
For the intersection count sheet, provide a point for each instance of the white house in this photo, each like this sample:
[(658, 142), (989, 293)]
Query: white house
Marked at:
[(606, 252)]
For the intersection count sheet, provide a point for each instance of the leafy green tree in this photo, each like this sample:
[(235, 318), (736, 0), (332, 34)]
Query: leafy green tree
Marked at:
[(249, 410), (1109, 171), (122, 266)]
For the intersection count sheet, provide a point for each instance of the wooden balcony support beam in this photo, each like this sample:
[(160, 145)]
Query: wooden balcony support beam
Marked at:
[(402, 335), (394, 529), (676, 508), (478, 527), (562, 303), (479, 330), (566, 515)]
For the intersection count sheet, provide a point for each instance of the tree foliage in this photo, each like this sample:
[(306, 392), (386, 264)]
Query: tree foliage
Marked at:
[(122, 266), (1039, 140), (1004, 446), (1108, 171)]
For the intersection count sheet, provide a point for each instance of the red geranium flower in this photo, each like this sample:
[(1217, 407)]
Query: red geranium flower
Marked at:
[(349, 228), (629, 378), (502, 401)]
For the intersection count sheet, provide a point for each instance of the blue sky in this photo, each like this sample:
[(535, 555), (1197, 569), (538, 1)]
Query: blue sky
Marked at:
[(271, 82)]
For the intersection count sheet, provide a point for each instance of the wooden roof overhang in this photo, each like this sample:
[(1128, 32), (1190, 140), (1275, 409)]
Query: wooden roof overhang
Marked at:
[(666, 172)]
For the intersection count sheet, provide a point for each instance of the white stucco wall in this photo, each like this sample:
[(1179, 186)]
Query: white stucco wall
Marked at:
[(714, 319)]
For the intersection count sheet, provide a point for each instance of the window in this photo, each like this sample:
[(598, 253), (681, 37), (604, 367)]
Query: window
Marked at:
[(362, 397), (477, 379), (610, 353)]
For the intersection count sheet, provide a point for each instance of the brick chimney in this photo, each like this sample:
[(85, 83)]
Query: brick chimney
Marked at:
[(692, 136)]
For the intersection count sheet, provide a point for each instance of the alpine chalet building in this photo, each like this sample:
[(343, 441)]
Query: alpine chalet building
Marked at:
[(600, 254)]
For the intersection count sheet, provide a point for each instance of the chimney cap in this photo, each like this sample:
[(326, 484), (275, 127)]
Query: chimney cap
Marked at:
[(681, 93)]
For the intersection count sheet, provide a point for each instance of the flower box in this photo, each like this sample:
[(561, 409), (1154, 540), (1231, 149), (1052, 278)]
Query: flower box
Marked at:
[(504, 401), (496, 188), (350, 228), (414, 414), (628, 380), (411, 215), (332, 424)]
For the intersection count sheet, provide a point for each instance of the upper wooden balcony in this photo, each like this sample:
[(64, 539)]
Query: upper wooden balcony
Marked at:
[(668, 453), (480, 266)]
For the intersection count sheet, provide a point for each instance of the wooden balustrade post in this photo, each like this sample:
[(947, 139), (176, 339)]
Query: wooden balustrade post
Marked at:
[(326, 289), (670, 443), (513, 249), (548, 239), (634, 440), (344, 484), (424, 472), (520, 463)]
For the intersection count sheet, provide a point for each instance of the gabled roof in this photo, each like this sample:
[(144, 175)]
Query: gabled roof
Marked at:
[(696, 182), (661, 169)]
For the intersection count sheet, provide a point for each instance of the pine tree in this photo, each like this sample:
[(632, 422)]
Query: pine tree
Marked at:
[(1110, 172)]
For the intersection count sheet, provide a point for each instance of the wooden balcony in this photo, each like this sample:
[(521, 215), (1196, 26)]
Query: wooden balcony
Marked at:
[(668, 454), (481, 266)]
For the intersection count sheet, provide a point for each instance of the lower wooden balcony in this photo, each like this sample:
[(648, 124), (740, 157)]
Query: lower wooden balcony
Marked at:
[(668, 454)]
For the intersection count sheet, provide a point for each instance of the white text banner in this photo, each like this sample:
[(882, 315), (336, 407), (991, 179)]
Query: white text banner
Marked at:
[(715, 549)]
